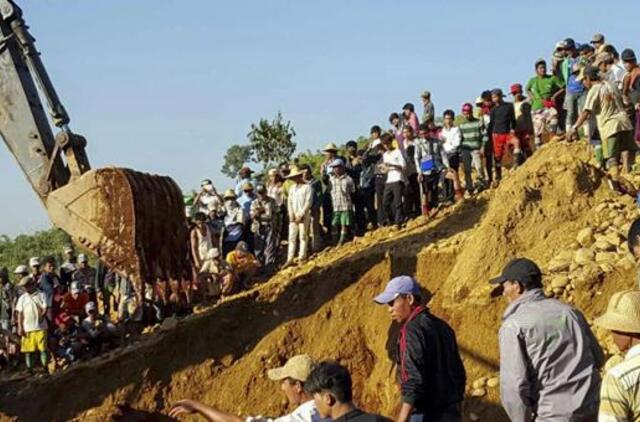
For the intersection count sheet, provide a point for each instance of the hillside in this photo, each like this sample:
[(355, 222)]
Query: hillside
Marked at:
[(556, 210)]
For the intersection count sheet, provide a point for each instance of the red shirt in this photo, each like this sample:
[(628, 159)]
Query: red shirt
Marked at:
[(75, 306)]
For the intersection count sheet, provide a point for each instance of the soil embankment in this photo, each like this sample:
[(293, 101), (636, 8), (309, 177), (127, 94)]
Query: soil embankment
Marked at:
[(556, 210)]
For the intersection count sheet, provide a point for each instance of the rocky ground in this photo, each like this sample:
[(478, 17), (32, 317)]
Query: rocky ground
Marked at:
[(557, 210)]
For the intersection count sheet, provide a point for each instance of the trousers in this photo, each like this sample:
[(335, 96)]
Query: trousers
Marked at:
[(299, 232)]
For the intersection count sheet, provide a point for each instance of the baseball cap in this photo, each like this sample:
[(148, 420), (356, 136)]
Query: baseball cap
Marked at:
[(569, 43), (352, 144), (242, 246), (467, 107), (247, 186), (523, 270), (497, 91), (426, 94), (206, 182), (34, 261), (628, 55), (402, 285), (515, 89), (229, 194), (298, 368), (67, 249), (21, 269), (75, 287), (337, 163), (597, 38), (246, 170), (83, 258), (90, 306)]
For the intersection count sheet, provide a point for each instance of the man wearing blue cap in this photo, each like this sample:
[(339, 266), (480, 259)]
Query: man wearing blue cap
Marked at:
[(430, 372), (549, 358), (342, 188)]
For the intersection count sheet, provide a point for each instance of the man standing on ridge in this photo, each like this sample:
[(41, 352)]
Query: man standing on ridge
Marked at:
[(544, 90), (502, 126)]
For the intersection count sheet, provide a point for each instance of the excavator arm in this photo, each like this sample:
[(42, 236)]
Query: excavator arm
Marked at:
[(133, 221)]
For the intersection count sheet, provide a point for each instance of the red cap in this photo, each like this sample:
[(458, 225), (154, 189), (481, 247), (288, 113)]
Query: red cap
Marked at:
[(516, 89), (467, 107)]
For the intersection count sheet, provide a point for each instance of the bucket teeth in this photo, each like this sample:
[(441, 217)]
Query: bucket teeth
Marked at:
[(133, 221)]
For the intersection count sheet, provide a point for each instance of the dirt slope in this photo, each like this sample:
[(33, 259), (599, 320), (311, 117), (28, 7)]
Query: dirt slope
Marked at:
[(324, 308)]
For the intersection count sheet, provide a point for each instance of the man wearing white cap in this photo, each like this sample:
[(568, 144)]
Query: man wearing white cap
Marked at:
[(34, 265), (69, 266), (208, 200), (620, 391), (299, 210), (292, 377), (31, 310)]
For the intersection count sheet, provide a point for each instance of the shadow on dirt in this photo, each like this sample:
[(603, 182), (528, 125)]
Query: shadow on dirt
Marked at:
[(216, 333)]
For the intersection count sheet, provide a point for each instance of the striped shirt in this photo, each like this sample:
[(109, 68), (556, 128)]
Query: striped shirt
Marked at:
[(471, 133), (620, 392)]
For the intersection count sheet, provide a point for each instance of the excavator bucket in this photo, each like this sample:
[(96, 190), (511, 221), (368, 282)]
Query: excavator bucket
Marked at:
[(134, 222)]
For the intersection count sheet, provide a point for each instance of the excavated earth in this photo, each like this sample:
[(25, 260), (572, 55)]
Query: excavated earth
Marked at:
[(556, 209)]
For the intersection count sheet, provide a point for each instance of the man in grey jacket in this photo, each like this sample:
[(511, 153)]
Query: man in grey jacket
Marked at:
[(549, 358)]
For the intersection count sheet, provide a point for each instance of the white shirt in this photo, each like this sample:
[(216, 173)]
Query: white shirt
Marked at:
[(306, 412), (31, 316), (451, 139), (394, 157), (299, 201)]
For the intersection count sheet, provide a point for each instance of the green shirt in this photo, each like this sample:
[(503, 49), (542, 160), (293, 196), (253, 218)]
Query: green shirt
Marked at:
[(471, 130), (543, 88)]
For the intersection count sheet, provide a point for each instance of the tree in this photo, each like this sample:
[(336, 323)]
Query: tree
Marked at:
[(234, 159), (272, 142)]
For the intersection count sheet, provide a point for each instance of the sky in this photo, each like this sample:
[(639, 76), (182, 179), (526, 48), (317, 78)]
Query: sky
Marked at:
[(165, 86)]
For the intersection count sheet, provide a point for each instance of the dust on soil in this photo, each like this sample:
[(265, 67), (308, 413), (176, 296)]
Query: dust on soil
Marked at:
[(324, 307)]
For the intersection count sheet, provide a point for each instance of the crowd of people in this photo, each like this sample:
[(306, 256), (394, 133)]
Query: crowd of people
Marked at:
[(61, 314), (411, 169), (550, 361), (417, 165)]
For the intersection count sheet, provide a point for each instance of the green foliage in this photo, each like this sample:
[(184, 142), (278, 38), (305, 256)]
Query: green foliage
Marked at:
[(272, 142), (14, 252), (235, 158)]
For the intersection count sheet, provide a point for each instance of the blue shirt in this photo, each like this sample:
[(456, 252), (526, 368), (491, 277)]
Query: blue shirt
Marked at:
[(574, 86), (245, 202), (241, 183)]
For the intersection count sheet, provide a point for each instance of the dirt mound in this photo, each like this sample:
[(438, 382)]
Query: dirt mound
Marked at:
[(555, 209)]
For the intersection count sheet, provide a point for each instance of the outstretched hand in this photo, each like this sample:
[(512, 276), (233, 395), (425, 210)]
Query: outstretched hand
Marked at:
[(183, 406)]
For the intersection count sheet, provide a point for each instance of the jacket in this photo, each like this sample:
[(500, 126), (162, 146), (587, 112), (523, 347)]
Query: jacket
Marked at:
[(430, 370), (549, 361)]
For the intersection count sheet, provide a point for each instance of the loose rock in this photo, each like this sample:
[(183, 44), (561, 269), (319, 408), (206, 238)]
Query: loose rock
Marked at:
[(585, 237)]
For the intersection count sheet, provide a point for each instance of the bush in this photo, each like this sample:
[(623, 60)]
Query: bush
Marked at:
[(14, 252)]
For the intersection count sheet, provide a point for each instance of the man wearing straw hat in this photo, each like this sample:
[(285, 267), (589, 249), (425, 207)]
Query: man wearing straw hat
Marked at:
[(299, 210), (620, 395)]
